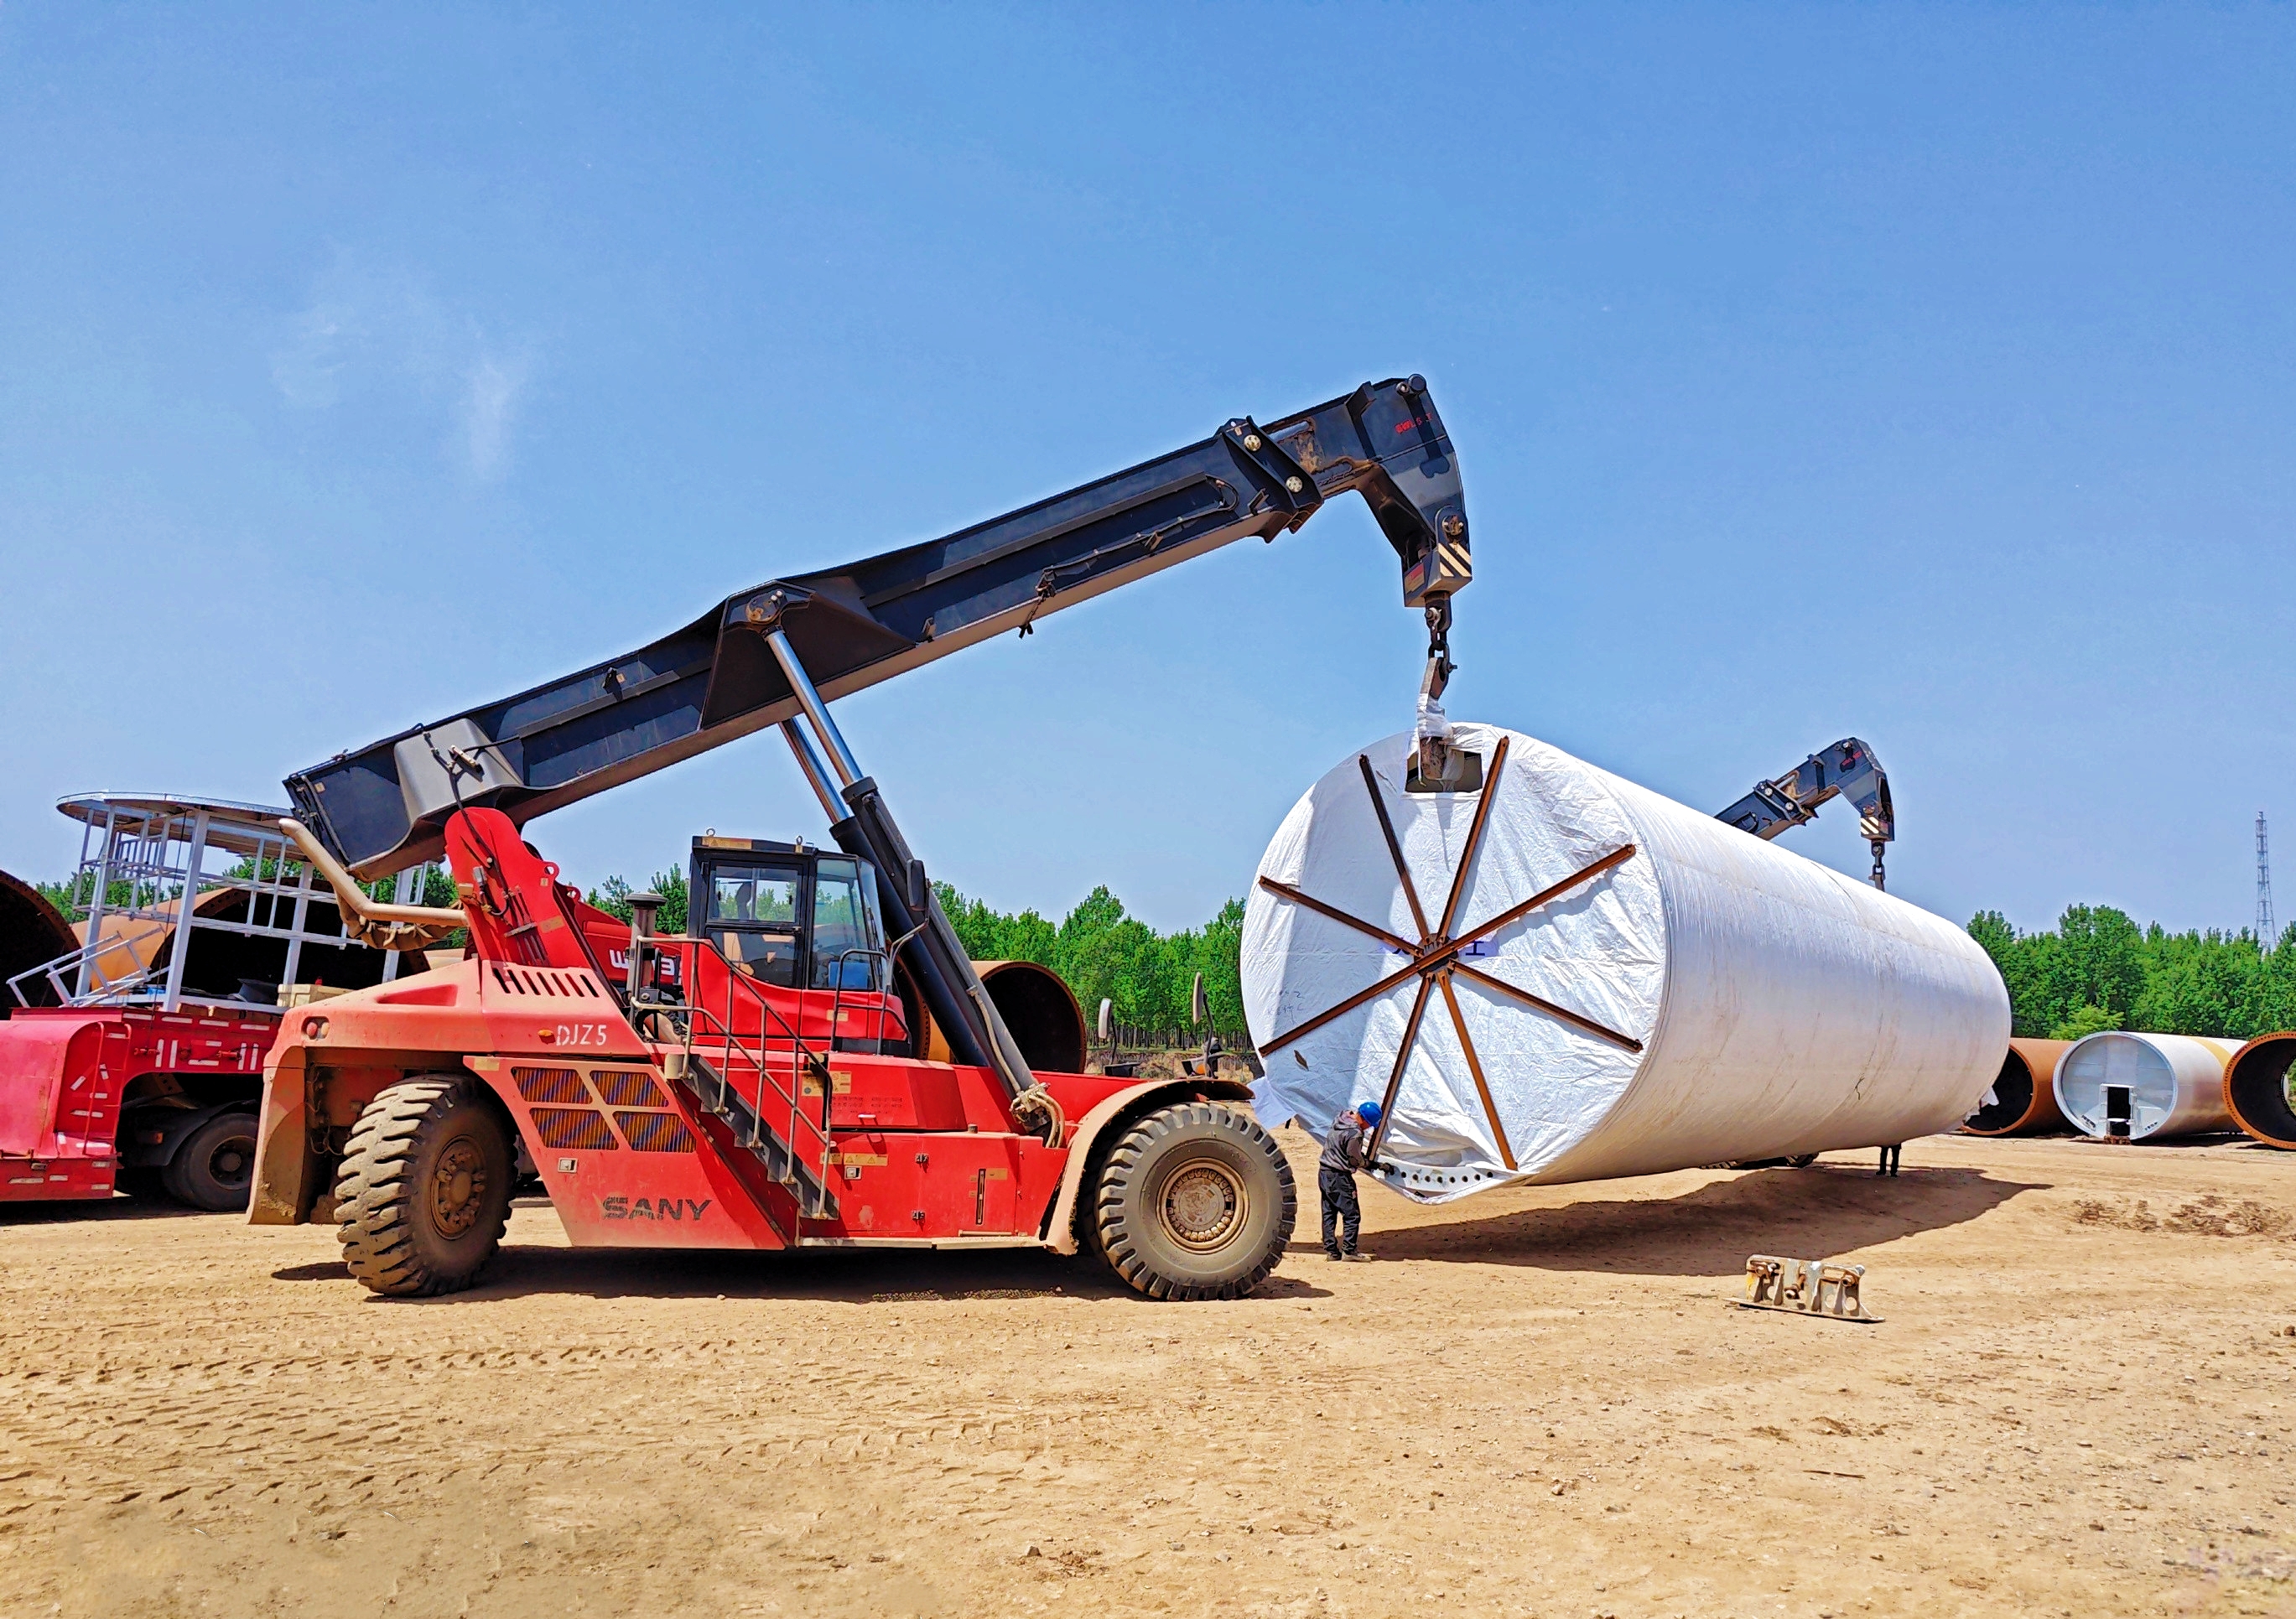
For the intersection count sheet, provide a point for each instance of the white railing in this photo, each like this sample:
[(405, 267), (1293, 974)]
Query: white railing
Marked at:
[(152, 869)]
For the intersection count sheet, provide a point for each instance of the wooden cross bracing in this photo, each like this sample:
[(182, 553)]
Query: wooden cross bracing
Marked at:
[(1435, 957)]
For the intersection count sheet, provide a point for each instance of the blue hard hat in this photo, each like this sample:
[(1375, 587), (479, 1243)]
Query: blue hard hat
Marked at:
[(1368, 1112)]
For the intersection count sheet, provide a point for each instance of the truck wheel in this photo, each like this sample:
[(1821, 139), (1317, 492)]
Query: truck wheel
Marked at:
[(1195, 1202), (143, 1184), (215, 1166), (423, 1192)]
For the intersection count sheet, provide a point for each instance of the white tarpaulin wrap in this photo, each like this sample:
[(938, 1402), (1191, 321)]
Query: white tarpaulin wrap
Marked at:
[(1712, 997)]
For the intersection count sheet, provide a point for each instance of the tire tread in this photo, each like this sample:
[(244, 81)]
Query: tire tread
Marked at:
[(1111, 1224), (373, 1203)]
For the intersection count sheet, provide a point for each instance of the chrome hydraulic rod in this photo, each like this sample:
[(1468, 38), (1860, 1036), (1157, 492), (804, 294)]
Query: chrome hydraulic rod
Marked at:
[(809, 765), (848, 768)]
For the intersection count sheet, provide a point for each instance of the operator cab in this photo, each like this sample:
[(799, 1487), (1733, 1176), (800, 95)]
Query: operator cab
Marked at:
[(787, 915)]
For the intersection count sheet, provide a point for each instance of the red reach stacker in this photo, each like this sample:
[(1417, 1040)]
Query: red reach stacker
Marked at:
[(813, 1062)]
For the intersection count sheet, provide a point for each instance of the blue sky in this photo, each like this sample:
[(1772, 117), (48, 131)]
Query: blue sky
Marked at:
[(1919, 374)]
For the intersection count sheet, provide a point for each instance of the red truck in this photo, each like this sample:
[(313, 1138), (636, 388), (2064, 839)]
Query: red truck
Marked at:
[(132, 1059)]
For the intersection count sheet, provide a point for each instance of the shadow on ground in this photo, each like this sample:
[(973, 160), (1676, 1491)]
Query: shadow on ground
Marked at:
[(101, 1209), (1812, 1214), (847, 1276), (1816, 1213)]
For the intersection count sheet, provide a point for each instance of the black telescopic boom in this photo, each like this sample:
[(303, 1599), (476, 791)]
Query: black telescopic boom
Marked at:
[(383, 808)]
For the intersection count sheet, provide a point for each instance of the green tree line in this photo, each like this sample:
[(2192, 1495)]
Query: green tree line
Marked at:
[(1104, 954), (2097, 969), (71, 894)]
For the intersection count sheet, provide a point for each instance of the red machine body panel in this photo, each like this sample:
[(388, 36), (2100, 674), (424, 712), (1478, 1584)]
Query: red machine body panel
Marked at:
[(66, 1071), (694, 1126), (633, 1156)]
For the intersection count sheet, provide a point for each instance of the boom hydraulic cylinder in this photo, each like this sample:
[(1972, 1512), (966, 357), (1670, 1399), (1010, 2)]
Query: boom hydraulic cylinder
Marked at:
[(945, 974)]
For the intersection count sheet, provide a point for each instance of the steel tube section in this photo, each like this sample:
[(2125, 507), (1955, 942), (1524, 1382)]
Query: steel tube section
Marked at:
[(371, 916), (2125, 1086), (848, 768), (33, 933), (1039, 1007), (2256, 1089), (815, 773), (1695, 996), (2023, 1100)]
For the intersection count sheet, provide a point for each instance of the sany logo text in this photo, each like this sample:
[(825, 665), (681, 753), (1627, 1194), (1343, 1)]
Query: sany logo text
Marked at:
[(645, 1208)]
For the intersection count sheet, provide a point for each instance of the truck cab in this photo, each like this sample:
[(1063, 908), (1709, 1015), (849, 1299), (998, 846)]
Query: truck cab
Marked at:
[(805, 922)]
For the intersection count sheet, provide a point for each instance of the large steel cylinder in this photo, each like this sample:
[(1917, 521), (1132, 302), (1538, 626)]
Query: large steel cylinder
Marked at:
[(32, 933), (2023, 1099), (2256, 1089), (2125, 1086), (1703, 996), (1037, 1005)]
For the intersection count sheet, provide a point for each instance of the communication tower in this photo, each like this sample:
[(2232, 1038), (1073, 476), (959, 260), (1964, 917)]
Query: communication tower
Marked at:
[(2263, 936)]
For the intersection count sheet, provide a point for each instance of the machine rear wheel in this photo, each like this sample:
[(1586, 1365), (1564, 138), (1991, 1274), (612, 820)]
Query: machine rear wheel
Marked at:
[(424, 1193), (215, 1166), (1195, 1201)]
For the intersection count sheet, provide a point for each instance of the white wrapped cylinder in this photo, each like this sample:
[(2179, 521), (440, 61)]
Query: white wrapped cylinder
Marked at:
[(2139, 1085), (1779, 1007)]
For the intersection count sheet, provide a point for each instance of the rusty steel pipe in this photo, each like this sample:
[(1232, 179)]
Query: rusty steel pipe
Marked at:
[(32, 934), (2025, 1096), (1037, 1005), (2256, 1089)]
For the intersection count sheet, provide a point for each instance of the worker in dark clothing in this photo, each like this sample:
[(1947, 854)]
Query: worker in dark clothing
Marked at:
[(1345, 1151)]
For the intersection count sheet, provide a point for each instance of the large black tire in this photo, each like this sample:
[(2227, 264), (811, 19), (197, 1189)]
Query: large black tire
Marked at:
[(1195, 1201), (214, 1166), (423, 1192)]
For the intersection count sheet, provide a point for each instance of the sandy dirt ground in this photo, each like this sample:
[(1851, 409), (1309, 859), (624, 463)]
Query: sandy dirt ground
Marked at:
[(1534, 1402)]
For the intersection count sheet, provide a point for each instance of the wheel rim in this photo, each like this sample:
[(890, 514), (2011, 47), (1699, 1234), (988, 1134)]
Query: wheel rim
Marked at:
[(458, 1187), (232, 1164), (1203, 1204)]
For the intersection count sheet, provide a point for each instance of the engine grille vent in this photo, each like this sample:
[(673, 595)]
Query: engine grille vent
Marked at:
[(561, 1085), (626, 1088), (655, 1132), (573, 1130)]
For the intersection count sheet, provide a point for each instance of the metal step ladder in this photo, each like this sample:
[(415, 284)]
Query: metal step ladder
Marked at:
[(709, 1092)]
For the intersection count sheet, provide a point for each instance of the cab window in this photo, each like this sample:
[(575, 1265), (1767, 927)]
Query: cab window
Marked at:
[(841, 922), (754, 920)]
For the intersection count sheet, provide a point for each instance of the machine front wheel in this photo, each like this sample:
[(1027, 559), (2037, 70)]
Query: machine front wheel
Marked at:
[(424, 1193), (1195, 1201)]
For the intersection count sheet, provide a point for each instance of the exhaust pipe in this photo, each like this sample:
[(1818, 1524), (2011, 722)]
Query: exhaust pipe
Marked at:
[(372, 921), (2256, 1089)]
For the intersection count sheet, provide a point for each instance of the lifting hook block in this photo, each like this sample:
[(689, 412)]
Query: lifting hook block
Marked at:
[(1805, 1287)]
